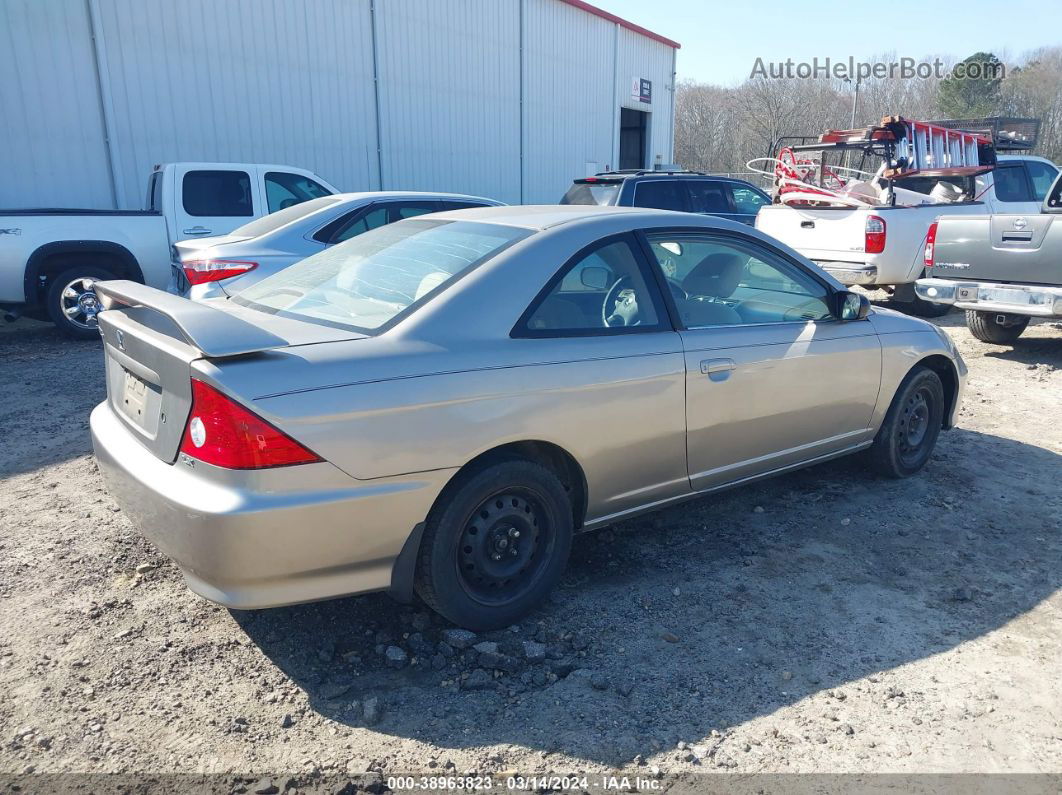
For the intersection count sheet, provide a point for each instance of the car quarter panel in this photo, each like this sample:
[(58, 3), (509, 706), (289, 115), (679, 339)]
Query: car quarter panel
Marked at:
[(615, 403)]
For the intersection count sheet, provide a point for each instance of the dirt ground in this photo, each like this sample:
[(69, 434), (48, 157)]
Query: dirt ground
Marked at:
[(825, 621)]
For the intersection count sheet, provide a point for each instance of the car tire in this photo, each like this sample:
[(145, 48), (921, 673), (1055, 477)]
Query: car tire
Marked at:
[(495, 544), (912, 424), (919, 307), (71, 302), (984, 327)]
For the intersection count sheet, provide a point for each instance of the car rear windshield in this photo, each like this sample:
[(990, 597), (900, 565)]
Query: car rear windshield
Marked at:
[(601, 193), (267, 223), (371, 280)]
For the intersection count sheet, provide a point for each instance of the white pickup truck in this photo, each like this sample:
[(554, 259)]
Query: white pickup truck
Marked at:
[(49, 258), (882, 247)]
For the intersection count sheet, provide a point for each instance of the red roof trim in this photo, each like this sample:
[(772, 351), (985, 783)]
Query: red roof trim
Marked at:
[(622, 22)]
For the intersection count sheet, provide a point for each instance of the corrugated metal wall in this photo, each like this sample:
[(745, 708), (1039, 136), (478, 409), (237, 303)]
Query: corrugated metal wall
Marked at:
[(268, 81), (52, 147), (502, 98)]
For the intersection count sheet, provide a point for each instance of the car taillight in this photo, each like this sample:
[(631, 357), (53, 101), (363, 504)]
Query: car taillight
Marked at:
[(931, 240), (199, 271), (222, 432), (874, 238)]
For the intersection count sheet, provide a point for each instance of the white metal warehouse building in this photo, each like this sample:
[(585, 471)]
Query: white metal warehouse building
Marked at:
[(510, 99)]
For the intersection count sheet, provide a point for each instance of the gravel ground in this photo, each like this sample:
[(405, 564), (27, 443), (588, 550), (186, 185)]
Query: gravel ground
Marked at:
[(825, 621)]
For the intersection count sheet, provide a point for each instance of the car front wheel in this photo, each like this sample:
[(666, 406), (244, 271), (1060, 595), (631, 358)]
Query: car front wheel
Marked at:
[(495, 545), (911, 426)]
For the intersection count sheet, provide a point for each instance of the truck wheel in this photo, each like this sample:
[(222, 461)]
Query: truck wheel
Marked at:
[(495, 545), (911, 426), (984, 327), (72, 303)]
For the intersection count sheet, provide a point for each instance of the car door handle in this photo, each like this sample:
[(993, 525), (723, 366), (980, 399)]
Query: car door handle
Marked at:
[(715, 366), (197, 230)]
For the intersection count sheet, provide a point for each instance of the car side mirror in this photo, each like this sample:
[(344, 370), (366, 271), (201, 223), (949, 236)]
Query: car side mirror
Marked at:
[(595, 278), (852, 306)]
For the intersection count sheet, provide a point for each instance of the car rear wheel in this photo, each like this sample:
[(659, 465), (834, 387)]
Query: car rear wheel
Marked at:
[(495, 545), (984, 327), (72, 303), (912, 424)]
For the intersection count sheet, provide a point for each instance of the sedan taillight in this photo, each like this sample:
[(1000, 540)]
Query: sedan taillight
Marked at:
[(874, 237), (200, 271), (931, 242), (222, 432)]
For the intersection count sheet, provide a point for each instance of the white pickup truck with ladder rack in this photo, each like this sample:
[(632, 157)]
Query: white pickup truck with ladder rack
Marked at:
[(869, 228)]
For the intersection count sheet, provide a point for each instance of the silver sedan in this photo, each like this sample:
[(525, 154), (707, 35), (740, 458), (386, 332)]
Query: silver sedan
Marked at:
[(434, 407), (216, 267)]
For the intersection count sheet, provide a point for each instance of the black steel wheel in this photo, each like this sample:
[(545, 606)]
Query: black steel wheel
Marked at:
[(911, 426), (495, 544)]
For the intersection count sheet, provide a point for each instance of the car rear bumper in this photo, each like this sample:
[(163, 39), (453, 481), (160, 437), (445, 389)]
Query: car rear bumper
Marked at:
[(849, 272), (1015, 299), (264, 538)]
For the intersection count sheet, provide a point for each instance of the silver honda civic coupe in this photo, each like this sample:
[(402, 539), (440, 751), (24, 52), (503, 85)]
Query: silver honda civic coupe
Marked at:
[(435, 406)]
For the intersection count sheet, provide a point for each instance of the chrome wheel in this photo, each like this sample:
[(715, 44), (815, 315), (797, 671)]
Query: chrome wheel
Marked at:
[(78, 302)]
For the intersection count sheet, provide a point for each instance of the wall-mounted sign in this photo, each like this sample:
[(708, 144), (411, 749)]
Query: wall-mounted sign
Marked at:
[(642, 90)]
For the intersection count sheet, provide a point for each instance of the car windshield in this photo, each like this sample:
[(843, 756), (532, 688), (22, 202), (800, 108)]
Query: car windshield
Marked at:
[(600, 193), (371, 279), (267, 223)]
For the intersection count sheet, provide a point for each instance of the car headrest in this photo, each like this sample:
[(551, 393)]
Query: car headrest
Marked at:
[(717, 275)]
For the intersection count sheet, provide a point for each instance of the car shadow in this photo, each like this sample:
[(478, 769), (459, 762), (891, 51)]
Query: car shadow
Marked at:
[(706, 615)]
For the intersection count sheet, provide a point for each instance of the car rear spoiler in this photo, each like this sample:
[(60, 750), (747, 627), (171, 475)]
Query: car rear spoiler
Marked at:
[(216, 334)]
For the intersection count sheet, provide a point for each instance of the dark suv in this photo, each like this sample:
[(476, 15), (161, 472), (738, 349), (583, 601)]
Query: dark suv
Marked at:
[(688, 191)]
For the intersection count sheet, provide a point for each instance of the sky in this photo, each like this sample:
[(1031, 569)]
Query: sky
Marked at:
[(721, 40)]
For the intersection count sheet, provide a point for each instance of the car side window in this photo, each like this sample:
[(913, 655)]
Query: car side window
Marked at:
[(747, 201), (402, 210), (284, 189), (358, 223), (464, 205), (707, 196), (602, 291), (660, 194), (1042, 177), (1011, 185), (721, 281), (217, 194)]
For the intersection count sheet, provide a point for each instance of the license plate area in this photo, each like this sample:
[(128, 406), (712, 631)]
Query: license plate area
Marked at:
[(1004, 295), (139, 401)]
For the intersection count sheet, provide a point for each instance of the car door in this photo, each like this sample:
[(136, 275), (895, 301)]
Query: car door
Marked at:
[(1042, 177), (285, 189), (747, 202), (612, 377), (660, 194), (1012, 192), (710, 197), (214, 200), (772, 378)]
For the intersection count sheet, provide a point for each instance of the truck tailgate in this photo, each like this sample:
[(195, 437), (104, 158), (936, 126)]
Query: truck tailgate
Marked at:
[(1004, 248), (819, 233)]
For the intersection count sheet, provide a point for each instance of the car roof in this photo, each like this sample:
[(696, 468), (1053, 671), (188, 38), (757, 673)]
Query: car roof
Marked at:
[(411, 194), (545, 216)]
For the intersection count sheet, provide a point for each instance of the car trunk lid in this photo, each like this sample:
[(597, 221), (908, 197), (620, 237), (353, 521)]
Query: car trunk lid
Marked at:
[(151, 339)]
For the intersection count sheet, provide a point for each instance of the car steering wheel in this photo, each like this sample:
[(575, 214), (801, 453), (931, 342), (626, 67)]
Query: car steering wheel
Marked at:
[(620, 307)]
